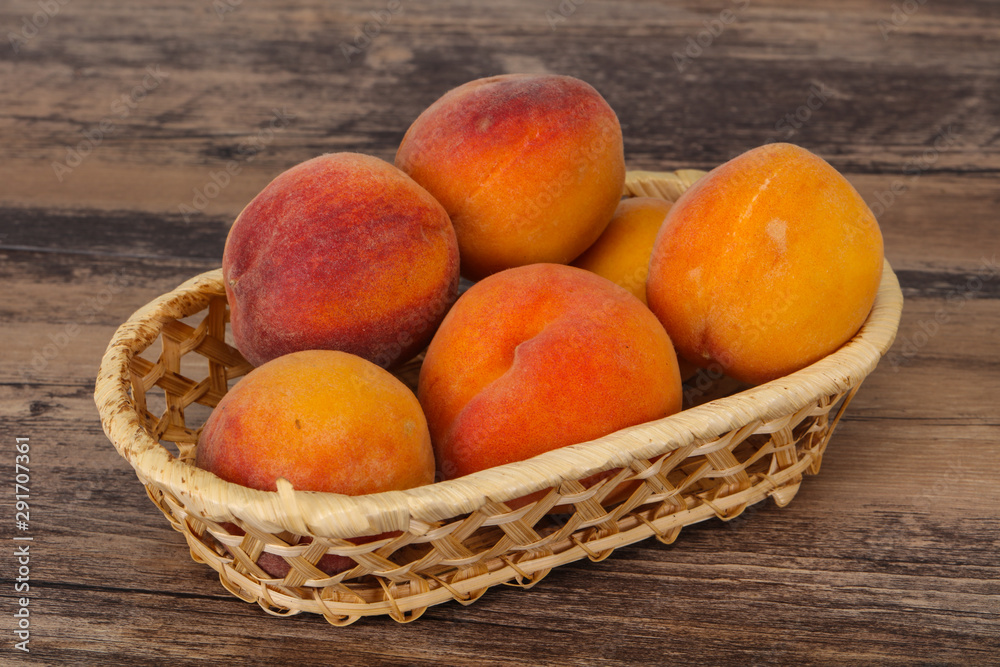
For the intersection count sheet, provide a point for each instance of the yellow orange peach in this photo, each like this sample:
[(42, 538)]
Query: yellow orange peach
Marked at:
[(621, 254), (767, 264), (325, 421)]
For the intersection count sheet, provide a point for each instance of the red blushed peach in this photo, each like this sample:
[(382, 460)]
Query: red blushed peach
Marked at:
[(767, 264), (341, 252), (529, 167), (539, 357), (323, 420)]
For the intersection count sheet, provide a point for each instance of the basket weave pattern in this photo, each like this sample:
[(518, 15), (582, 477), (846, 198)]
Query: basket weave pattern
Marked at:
[(455, 539)]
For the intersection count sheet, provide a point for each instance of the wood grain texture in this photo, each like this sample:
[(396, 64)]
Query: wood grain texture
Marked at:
[(888, 556)]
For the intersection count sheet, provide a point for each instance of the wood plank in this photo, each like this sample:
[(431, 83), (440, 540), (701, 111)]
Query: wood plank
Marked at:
[(914, 238), (888, 556), (202, 117), (52, 294), (943, 602)]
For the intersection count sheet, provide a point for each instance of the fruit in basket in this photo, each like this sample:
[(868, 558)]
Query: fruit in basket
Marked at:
[(325, 421), (767, 264), (564, 356), (529, 167), (621, 254), (341, 252)]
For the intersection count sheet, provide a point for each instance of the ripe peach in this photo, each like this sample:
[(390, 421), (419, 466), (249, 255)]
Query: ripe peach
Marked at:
[(529, 167), (539, 357), (767, 264), (325, 421), (621, 254), (341, 252)]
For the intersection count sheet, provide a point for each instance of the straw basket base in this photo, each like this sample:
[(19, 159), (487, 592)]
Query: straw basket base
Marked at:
[(454, 540), (685, 486)]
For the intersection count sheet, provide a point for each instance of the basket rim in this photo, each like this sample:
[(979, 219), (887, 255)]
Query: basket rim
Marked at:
[(334, 515)]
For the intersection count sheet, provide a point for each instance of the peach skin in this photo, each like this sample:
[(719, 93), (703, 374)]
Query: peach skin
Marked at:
[(621, 254), (765, 265), (539, 357), (325, 421), (529, 167), (342, 252)]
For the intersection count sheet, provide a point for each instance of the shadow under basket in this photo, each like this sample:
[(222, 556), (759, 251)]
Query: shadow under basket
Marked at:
[(453, 540)]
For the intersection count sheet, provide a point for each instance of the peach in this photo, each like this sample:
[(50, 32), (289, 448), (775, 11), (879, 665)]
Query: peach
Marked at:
[(621, 254), (341, 252), (529, 167), (325, 421), (539, 357), (765, 265)]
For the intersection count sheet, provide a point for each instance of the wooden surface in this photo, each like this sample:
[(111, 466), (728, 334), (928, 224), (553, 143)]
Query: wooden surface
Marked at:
[(888, 556)]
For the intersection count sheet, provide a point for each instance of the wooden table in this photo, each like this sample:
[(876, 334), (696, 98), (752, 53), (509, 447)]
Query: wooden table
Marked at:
[(132, 134)]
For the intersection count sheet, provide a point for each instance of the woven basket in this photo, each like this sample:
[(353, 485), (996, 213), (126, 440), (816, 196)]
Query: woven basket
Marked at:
[(455, 539)]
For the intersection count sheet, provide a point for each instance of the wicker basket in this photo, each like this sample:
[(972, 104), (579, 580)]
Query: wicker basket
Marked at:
[(455, 539)]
